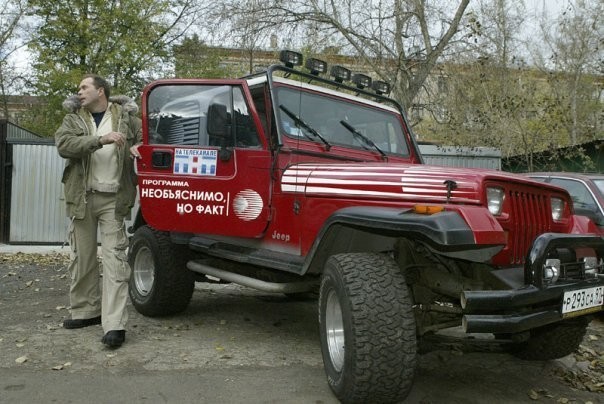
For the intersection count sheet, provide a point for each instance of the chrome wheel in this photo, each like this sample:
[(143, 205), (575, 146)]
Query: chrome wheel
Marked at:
[(334, 327), (143, 271)]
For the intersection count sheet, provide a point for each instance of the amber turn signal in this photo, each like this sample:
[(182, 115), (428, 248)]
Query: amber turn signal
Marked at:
[(428, 209)]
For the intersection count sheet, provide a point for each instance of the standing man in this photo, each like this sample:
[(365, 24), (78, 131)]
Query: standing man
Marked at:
[(99, 138)]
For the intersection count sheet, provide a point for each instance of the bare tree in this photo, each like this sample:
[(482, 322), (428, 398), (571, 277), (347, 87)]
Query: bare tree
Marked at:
[(11, 17), (574, 50), (400, 40)]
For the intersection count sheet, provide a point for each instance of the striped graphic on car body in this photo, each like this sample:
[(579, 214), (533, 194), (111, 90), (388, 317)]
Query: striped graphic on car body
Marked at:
[(378, 181)]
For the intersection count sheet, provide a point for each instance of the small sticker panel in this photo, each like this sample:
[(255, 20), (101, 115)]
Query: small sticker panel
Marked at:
[(200, 162)]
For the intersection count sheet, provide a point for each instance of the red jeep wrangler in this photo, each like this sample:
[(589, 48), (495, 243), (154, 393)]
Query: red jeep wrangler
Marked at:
[(290, 182)]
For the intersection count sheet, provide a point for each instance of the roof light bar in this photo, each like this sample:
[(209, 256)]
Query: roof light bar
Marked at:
[(290, 58), (316, 66), (361, 80), (340, 73), (380, 87)]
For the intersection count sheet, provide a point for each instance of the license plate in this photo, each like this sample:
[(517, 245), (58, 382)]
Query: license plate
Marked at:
[(582, 301)]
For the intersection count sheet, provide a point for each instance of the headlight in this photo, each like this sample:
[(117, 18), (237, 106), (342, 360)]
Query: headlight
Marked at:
[(495, 200), (551, 270), (590, 267), (557, 208)]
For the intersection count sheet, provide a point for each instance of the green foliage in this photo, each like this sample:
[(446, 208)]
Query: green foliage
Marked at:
[(125, 41)]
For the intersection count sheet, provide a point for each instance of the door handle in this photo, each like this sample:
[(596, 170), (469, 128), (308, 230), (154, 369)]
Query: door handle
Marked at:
[(161, 159)]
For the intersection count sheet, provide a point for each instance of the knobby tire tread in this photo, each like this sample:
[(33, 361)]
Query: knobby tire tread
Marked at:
[(383, 328), (174, 283), (553, 341)]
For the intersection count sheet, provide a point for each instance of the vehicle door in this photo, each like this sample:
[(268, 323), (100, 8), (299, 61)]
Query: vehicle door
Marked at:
[(205, 165)]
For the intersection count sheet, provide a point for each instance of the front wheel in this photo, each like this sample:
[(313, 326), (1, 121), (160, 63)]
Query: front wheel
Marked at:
[(160, 283), (367, 328), (553, 341)]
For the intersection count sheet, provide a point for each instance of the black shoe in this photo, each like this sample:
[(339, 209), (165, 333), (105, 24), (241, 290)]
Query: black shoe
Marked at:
[(114, 339), (81, 322)]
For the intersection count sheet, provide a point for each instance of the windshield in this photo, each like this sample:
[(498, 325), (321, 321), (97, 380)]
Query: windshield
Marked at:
[(327, 119)]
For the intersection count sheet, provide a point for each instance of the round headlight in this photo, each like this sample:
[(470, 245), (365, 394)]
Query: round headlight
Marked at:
[(557, 208), (495, 200)]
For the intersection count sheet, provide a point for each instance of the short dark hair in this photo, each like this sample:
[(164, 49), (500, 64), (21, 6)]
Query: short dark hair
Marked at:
[(100, 82)]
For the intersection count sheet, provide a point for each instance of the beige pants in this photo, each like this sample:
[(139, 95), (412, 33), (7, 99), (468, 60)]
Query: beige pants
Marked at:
[(85, 291)]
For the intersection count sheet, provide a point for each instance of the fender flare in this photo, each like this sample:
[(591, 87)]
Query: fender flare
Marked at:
[(446, 232)]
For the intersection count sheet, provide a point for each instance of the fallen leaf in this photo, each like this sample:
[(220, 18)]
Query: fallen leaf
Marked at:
[(21, 359), (593, 337), (533, 395), (58, 367), (20, 345), (29, 283), (219, 348)]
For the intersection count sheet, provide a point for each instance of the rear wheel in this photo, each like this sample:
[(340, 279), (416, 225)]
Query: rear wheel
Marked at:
[(553, 341), (367, 329), (160, 283)]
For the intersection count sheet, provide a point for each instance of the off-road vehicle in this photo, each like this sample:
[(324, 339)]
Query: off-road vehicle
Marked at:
[(291, 182)]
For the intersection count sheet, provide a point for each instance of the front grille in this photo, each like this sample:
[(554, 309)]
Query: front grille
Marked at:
[(530, 217)]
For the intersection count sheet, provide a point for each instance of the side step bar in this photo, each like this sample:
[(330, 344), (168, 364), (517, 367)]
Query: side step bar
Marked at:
[(271, 287)]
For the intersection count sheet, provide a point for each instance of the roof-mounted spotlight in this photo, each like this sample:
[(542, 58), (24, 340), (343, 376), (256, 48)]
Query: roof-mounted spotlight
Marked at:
[(361, 80), (316, 66), (340, 73), (290, 58), (380, 87)]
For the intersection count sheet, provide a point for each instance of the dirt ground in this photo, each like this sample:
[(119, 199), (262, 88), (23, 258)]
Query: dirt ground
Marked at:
[(243, 345)]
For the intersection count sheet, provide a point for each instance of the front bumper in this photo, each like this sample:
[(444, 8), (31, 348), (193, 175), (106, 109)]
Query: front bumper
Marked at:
[(535, 304)]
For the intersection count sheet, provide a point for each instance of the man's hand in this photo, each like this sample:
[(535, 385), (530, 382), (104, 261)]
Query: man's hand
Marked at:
[(134, 153), (113, 137)]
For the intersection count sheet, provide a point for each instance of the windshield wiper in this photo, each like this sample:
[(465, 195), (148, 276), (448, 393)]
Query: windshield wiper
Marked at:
[(304, 125), (364, 138)]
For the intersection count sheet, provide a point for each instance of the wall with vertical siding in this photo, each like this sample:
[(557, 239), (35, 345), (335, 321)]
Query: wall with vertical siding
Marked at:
[(457, 156), (37, 211)]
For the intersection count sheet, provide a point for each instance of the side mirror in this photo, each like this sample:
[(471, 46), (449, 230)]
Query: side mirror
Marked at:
[(219, 127), (218, 121)]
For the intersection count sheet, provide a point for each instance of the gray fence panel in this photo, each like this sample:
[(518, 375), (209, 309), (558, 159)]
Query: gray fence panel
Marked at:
[(16, 133), (457, 156), (37, 204)]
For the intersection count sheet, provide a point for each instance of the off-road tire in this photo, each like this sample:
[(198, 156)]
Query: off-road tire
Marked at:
[(553, 341), (377, 357), (163, 265)]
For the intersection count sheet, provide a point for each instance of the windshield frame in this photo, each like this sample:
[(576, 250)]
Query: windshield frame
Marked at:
[(352, 94)]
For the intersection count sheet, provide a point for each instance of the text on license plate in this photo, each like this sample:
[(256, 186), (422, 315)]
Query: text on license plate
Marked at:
[(578, 300)]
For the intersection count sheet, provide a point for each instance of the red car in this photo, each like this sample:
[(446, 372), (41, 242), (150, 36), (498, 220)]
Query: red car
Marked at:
[(586, 190)]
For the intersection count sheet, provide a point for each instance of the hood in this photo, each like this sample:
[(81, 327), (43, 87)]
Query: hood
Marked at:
[(402, 182), (72, 103)]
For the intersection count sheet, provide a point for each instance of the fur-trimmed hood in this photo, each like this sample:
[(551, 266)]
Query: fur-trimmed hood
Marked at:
[(72, 103)]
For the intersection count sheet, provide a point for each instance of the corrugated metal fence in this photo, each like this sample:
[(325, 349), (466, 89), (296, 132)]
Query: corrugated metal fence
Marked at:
[(37, 205), (33, 208), (456, 156)]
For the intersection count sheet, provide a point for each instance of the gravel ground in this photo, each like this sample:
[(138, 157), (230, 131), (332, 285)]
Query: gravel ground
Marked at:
[(233, 329)]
